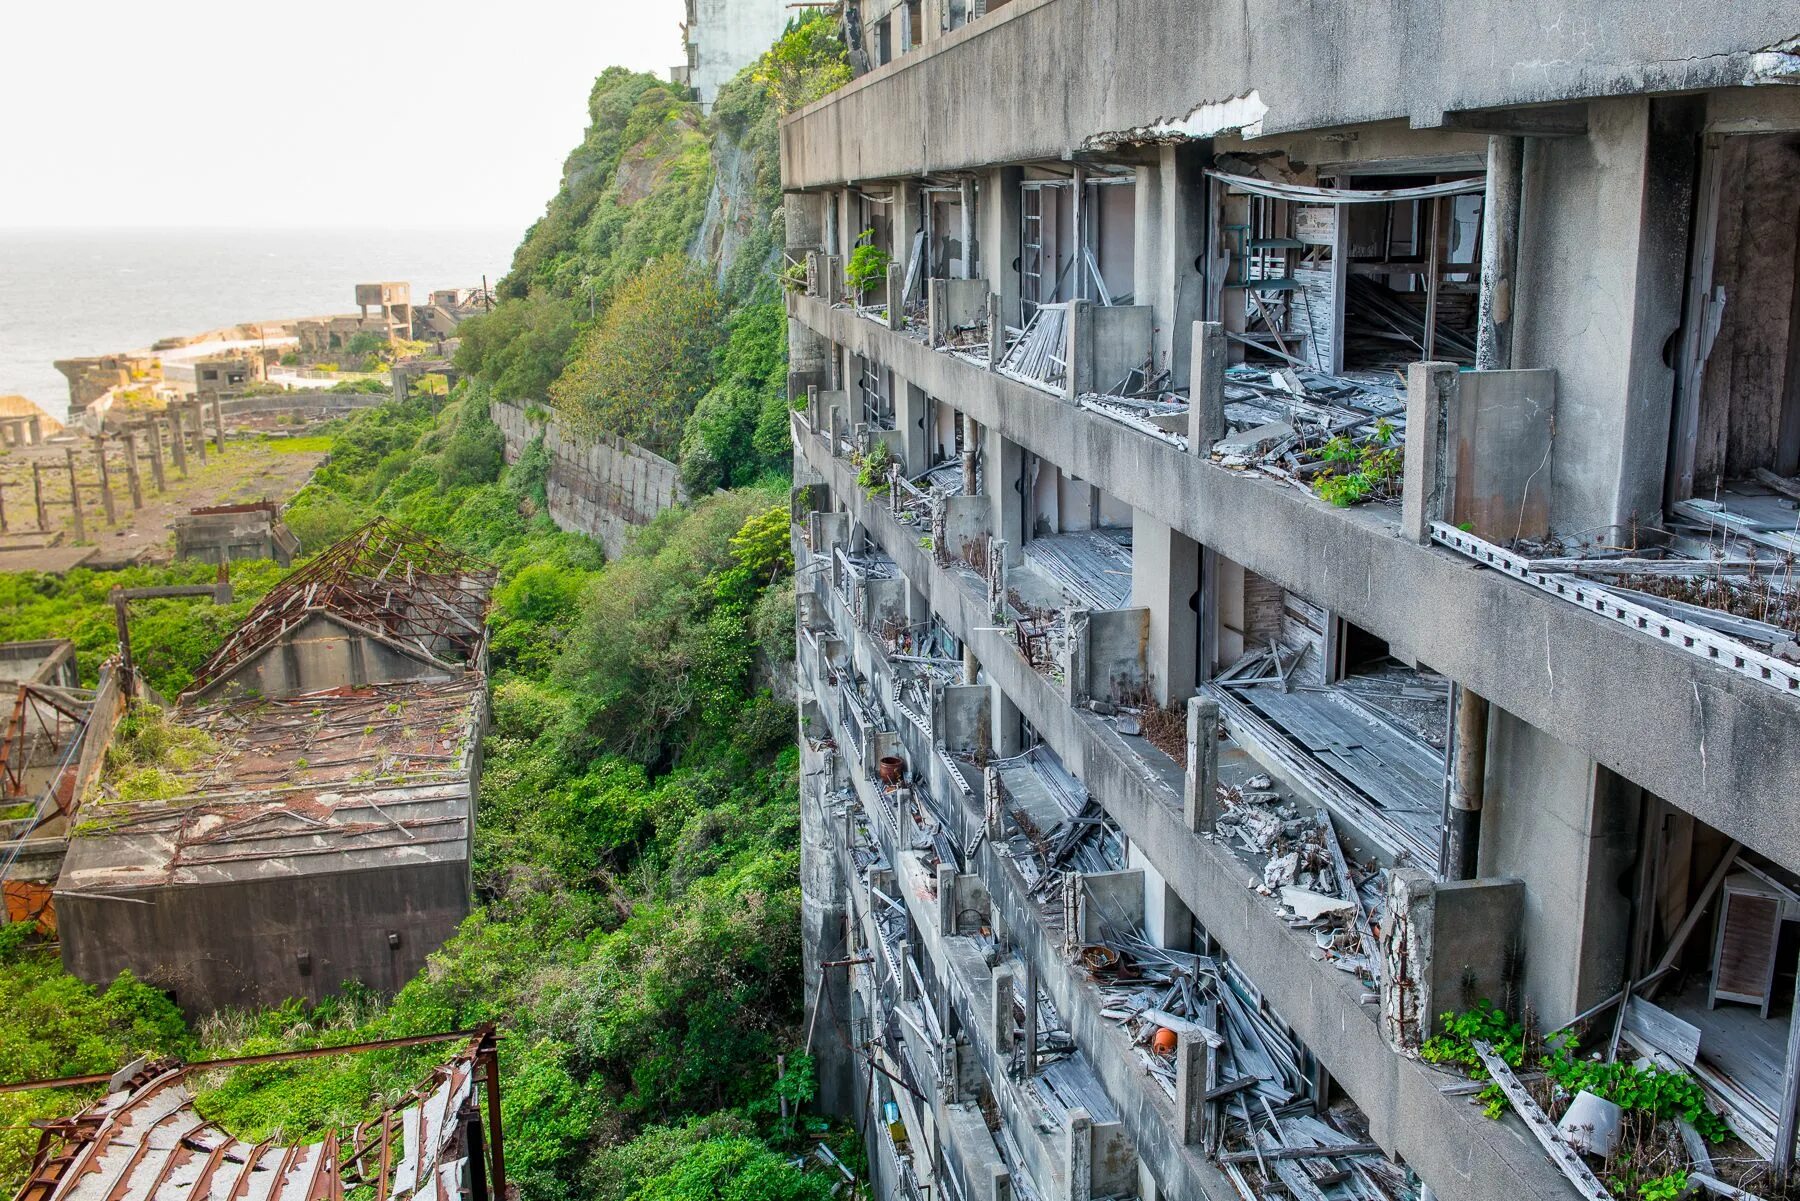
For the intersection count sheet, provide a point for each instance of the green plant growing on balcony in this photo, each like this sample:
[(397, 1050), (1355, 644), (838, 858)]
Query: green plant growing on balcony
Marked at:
[(868, 264), (872, 472), (1356, 472)]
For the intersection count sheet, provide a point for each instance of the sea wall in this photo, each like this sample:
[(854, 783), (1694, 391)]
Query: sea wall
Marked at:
[(602, 486)]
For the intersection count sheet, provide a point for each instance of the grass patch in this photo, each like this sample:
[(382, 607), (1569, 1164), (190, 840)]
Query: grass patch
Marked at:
[(309, 444)]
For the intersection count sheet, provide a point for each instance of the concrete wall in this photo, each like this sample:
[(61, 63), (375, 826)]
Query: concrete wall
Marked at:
[(604, 487), (1196, 70), (237, 944), (725, 36)]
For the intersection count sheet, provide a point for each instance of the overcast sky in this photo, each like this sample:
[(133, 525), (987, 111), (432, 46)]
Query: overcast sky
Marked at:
[(305, 112)]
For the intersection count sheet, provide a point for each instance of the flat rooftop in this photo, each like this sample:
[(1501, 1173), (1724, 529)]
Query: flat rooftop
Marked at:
[(346, 779)]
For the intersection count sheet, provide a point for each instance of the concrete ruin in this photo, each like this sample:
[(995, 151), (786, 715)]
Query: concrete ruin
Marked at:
[(317, 831), (721, 38), (225, 533), (95, 377), (1511, 715)]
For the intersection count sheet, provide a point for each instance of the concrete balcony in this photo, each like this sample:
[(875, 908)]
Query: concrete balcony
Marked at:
[(1644, 708), (1260, 69), (1144, 793)]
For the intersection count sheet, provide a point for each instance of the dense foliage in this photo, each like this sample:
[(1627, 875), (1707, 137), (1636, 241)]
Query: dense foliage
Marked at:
[(641, 370)]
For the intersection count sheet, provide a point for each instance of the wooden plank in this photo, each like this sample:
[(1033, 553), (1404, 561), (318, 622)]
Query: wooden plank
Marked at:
[(1542, 1128), (1655, 1025)]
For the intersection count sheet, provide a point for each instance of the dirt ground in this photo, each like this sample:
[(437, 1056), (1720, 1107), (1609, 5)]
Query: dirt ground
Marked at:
[(250, 469)]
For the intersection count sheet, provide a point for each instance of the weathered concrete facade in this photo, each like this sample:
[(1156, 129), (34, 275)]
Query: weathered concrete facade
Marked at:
[(1559, 295), (603, 486)]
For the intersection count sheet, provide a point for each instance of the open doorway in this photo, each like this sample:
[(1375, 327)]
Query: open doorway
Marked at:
[(1735, 449)]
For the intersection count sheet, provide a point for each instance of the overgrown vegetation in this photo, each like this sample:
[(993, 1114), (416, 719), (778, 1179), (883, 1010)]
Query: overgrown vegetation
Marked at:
[(147, 755), (1354, 472), (1645, 1166)]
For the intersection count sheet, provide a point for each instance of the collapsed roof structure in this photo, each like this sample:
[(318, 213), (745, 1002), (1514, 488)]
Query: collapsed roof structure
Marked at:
[(144, 1141), (385, 603)]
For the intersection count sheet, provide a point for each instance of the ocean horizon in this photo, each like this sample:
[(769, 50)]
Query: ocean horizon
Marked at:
[(67, 293)]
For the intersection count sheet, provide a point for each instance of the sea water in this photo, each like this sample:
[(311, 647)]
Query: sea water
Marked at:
[(66, 293)]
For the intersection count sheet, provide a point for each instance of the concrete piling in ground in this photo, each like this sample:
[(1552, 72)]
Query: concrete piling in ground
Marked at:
[(178, 440), (218, 411), (133, 480), (199, 424), (156, 455), (106, 495), (37, 495), (75, 496)]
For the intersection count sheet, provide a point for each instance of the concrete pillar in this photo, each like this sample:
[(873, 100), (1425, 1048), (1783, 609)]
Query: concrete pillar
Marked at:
[(996, 324), (946, 899), (971, 455), (1200, 789), (1194, 1077), (75, 496), (1165, 578), (896, 296), (1081, 1155), (1028, 1038), (1007, 741), (133, 479), (911, 412), (218, 412), (37, 496), (999, 238), (1004, 469), (1206, 387), (1468, 785), (1429, 489), (1499, 252), (197, 419), (908, 221), (1001, 1009), (154, 427), (106, 496), (178, 440), (1171, 236), (37, 430)]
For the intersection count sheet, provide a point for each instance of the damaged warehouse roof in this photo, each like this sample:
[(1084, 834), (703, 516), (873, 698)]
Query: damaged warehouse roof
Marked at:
[(386, 583), (321, 781), (144, 1141)]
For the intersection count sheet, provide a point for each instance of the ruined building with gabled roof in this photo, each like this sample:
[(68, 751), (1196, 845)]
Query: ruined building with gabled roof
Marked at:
[(1295, 513), (304, 817)]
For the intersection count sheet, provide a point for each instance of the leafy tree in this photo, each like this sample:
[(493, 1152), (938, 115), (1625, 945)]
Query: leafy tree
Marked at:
[(644, 368), (518, 349)]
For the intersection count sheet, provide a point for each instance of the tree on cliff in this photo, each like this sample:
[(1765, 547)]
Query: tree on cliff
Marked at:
[(641, 371)]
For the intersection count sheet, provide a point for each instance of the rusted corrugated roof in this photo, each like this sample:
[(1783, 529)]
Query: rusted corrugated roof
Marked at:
[(394, 582), (144, 1141)]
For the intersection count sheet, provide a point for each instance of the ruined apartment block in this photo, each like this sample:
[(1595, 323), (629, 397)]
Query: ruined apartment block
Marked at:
[(1298, 541)]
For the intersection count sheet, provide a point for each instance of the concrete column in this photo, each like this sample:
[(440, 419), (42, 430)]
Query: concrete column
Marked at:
[(1001, 1008), (849, 228), (896, 296), (197, 418), (178, 440), (946, 899), (106, 496), (154, 428), (1005, 462), (971, 455), (911, 412), (218, 412), (1194, 1072), (1429, 489), (75, 496), (37, 430), (132, 479), (37, 495), (1468, 785), (1200, 789), (1007, 742), (1171, 236), (999, 238), (907, 223), (1206, 387), (1028, 1038), (1499, 252), (1165, 578), (1081, 1155)]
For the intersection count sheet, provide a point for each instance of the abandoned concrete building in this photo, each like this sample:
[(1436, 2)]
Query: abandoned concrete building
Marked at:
[(94, 377), (721, 38), (1295, 529), (318, 829), (227, 374), (225, 533)]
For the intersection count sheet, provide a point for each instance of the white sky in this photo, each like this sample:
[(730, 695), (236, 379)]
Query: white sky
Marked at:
[(304, 113)]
